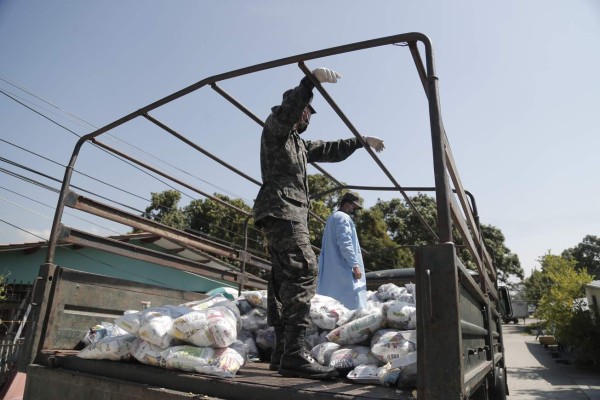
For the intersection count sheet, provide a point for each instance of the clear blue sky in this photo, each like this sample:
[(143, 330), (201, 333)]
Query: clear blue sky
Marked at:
[(519, 86)]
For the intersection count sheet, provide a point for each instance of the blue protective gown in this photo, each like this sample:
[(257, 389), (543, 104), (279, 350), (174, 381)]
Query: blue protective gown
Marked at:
[(340, 251)]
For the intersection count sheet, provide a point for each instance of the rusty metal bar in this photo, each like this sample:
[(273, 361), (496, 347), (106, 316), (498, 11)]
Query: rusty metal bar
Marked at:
[(237, 104), (165, 175), (253, 116), (422, 75), (79, 238), (200, 149), (85, 204), (475, 229), (401, 38), (405, 37), (350, 126), (439, 161)]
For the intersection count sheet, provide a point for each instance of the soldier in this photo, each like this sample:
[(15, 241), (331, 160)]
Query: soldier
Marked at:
[(281, 210)]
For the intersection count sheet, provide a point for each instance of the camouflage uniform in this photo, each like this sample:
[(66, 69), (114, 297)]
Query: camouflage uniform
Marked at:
[(281, 206)]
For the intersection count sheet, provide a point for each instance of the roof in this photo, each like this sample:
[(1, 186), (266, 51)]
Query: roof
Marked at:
[(167, 246), (593, 284)]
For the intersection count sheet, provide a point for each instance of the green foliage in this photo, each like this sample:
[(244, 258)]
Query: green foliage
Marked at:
[(405, 228), (317, 184), (164, 209), (583, 335), (507, 263), (587, 255), (557, 304), (388, 231), (404, 225), (217, 221), (383, 252), (535, 286)]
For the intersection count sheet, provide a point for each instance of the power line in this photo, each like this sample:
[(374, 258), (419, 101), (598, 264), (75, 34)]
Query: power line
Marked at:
[(24, 230), (118, 157), (118, 139), (52, 207), (24, 178), (29, 180)]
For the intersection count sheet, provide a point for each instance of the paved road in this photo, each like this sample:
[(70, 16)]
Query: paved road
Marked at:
[(533, 374)]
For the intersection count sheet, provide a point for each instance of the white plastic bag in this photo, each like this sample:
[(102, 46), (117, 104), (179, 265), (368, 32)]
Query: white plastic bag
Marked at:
[(389, 291), (400, 315), (352, 357), (401, 372), (214, 327), (199, 305), (326, 311), (323, 351), (102, 330), (187, 358), (367, 373), (388, 344), (357, 330), (109, 348), (146, 353), (258, 298), (225, 362)]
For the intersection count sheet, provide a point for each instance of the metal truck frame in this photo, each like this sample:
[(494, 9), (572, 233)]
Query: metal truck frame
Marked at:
[(460, 351)]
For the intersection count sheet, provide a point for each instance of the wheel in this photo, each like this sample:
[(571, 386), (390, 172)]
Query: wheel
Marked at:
[(497, 390)]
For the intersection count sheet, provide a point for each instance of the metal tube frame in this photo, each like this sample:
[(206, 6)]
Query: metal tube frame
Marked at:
[(447, 208)]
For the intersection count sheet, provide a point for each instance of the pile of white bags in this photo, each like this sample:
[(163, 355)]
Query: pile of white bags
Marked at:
[(216, 336), (158, 336)]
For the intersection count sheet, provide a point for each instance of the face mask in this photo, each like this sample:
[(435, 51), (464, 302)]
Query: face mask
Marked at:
[(301, 126)]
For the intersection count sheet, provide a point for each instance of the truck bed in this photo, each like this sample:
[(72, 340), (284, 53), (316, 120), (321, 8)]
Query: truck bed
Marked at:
[(99, 379), (68, 302)]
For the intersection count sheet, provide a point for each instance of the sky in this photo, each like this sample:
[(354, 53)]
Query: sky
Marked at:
[(519, 91)]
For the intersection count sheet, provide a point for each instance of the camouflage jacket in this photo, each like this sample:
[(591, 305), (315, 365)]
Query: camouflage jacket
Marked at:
[(284, 157)]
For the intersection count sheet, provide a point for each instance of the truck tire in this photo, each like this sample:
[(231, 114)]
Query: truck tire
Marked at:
[(498, 389)]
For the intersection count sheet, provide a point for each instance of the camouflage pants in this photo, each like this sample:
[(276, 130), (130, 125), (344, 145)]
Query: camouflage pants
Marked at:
[(293, 274)]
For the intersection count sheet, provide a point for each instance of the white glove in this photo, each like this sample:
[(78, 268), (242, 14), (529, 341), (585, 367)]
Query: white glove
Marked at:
[(375, 143), (326, 75)]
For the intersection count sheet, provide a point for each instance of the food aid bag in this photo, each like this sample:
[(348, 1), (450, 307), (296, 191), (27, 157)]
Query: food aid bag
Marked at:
[(350, 357), (389, 344), (389, 291), (323, 351), (216, 326), (146, 353), (186, 358), (109, 348), (102, 330), (400, 315), (358, 330), (255, 319), (325, 311), (225, 362), (401, 372)]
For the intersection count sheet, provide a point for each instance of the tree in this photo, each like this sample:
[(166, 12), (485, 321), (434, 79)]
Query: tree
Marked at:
[(556, 305), (587, 255), (164, 208), (535, 286), (383, 252), (406, 228), (507, 263)]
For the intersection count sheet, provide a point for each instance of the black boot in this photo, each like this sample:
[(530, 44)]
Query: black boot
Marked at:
[(297, 361), (278, 350)]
